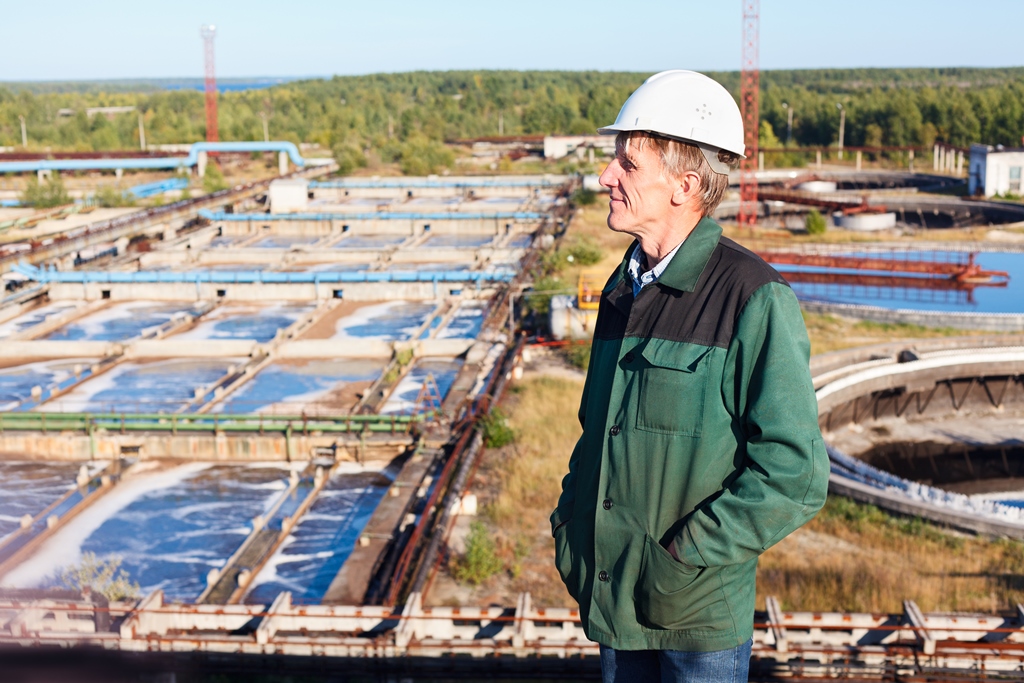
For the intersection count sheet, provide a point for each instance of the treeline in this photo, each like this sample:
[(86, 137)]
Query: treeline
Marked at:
[(409, 114)]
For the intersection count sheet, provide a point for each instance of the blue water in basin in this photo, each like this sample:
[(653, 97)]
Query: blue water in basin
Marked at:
[(293, 387), (27, 488), (171, 537), (121, 321), (465, 324), (316, 549), (457, 241), (403, 400), (282, 241), (16, 382), (153, 387), (35, 316), (983, 299), (393, 321), (245, 321), (369, 241)]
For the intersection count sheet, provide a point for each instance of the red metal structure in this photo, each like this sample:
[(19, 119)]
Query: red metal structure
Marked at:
[(750, 86), (208, 32)]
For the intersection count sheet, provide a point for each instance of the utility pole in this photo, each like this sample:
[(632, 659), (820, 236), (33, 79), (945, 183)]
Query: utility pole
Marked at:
[(208, 33), (24, 133), (142, 134), (842, 128), (750, 95), (789, 122)]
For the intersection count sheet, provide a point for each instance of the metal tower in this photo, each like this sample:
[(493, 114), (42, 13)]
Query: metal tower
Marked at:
[(208, 32), (750, 85)]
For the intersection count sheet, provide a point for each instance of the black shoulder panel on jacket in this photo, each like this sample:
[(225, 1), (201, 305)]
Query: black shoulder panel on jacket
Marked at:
[(706, 315)]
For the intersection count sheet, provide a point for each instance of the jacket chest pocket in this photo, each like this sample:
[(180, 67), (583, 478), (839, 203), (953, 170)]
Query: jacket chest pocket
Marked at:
[(672, 390)]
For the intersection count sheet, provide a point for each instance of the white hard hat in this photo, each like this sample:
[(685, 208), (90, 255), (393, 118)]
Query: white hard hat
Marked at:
[(687, 106)]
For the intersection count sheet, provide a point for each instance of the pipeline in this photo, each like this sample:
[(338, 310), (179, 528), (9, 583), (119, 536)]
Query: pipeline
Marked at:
[(192, 159)]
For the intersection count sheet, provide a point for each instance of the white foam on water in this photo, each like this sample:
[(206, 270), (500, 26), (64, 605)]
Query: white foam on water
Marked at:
[(78, 399), (366, 316), (36, 316), (65, 547)]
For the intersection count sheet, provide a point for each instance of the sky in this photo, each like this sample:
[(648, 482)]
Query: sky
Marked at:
[(109, 39)]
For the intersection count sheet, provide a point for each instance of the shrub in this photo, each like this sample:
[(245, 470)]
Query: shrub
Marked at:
[(497, 433), (348, 158), (100, 576), (584, 253), (45, 195), (481, 560), (420, 156), (213, 179), (815, 223), (109, 196), (584, 197)]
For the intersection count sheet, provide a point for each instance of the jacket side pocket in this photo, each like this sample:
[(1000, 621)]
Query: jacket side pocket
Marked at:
[(564, 560), (676, 597)]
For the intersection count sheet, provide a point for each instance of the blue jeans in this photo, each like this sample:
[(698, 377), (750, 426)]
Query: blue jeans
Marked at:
[(674, 666)]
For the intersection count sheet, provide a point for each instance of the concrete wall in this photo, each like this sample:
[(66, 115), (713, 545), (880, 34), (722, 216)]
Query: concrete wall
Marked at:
[(190, 291), (36, 349), (55, 446)]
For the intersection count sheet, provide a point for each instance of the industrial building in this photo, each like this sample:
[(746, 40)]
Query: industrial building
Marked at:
[(995, 170)]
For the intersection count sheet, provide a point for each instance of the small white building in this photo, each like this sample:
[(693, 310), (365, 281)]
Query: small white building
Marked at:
[(995, 170), (288, 195)]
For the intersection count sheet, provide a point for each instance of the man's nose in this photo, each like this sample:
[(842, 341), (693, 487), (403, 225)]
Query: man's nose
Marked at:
[(608, 177)]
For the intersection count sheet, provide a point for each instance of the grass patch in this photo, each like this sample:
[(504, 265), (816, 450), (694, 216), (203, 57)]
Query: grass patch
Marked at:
[(856, 557), (832, 333), (497, 433), (481, 561)]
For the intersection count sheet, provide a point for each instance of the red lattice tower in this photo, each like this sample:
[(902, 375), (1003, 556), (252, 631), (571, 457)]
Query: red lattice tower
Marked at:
[(750, 100), (208, 32)]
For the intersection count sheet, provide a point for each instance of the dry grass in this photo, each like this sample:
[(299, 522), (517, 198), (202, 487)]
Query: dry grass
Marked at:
[(831, 333), (855, 557), (518, 486)]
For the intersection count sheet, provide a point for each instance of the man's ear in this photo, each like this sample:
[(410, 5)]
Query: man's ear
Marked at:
[(687, 188)]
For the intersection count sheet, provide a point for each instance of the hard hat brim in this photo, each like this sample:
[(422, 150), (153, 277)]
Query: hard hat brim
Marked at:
[(710, 153)]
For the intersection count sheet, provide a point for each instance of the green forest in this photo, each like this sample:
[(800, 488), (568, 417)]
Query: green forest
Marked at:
[(410, 114)]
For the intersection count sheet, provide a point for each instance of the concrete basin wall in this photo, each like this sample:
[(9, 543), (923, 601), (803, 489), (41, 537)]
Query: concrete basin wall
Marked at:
[(205, 291)]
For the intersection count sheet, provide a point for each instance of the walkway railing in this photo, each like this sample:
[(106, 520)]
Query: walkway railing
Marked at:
[(156, 422)]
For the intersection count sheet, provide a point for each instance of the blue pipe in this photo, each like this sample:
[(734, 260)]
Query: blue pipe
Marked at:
[(153, 163), (257, 276), (383, 215)]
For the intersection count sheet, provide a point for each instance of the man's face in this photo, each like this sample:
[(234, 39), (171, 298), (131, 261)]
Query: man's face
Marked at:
[(641, 195)]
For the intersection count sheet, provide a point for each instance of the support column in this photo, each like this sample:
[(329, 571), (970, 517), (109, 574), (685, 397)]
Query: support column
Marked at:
[(859, 156), (201, 164), (760, 161), (959, 163), (818, 159), (935, 158), (282, 163), (910, 161)]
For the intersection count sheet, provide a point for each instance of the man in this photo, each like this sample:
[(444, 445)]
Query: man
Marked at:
[(700, 445)]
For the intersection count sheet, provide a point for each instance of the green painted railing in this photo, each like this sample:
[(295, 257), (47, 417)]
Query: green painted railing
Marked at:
[(160, 422)]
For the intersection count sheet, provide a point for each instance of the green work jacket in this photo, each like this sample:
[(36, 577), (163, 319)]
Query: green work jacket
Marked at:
[(700, 430)]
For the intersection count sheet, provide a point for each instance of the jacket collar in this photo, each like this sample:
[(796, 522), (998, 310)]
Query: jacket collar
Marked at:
[(687, 265)]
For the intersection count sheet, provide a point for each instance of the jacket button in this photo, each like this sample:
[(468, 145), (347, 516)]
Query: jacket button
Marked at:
[(629, 357), (603, 576), (607, 504), (614, 431)]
